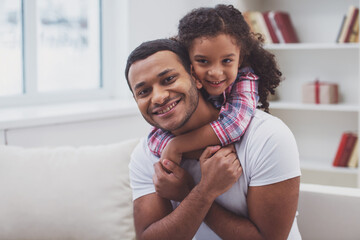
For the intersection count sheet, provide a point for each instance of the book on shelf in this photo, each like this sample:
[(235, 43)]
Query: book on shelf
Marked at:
[(349, 146), (345, 148), (340, 149), (341, 28), (349, 30), (354, 35), (275, 26), (286, 30), (270, 28), (354, 157), (256, 22)]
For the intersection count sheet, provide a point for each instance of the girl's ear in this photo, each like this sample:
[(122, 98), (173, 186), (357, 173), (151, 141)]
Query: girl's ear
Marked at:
[(196, 79)]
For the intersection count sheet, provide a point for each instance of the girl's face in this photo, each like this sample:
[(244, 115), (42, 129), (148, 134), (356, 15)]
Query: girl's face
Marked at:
[(215, 62)]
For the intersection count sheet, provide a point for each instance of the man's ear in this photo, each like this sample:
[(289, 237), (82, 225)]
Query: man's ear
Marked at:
[(196, 79), (198, 84)]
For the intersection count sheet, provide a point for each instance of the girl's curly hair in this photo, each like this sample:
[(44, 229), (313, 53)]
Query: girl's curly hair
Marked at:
[(210, 22)]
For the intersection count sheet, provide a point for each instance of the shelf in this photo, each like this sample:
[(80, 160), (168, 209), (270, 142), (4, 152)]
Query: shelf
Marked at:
[(314, 107), (325, 167), (312, 46), (317, 128)]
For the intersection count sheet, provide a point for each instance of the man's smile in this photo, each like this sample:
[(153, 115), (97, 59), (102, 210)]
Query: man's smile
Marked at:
[(165, 109)]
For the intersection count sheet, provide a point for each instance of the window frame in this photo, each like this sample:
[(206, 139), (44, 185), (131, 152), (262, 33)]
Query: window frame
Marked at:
[(113, 51)]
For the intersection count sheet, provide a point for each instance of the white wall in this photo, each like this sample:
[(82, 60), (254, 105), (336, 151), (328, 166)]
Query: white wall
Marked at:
[(2, 137), (154, 19)]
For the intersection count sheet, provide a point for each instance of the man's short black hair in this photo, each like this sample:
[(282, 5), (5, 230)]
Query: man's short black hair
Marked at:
[(149, 48)]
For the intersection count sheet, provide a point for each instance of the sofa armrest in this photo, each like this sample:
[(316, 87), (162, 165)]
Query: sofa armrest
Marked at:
[(327, 212)]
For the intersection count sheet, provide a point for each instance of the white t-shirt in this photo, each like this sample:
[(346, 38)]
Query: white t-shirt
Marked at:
[(267, 153)]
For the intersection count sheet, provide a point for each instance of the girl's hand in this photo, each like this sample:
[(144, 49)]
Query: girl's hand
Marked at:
[(174, 184), (220, 169)]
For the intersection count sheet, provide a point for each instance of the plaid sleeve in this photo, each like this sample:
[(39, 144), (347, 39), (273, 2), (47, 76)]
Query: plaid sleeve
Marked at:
[(157, 140), (236, 113)]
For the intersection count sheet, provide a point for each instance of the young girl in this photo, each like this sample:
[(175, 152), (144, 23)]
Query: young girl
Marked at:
[(235, 71)]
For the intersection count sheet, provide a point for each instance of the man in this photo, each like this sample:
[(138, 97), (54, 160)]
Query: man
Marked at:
[(257, 200)]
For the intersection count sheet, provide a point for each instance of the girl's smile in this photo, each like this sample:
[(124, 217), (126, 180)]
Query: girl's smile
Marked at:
[(215, 61)]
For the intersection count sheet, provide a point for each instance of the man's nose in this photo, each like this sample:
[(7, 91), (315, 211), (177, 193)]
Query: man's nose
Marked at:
[(159, 95)]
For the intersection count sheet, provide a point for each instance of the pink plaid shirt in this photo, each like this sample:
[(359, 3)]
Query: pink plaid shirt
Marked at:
[(237, 106)]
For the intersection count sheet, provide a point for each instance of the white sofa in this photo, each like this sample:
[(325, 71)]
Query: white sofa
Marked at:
[(84, 193), (327, 212)]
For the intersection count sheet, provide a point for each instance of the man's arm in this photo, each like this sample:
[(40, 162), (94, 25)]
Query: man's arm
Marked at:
[(271, 209), (154, 218)]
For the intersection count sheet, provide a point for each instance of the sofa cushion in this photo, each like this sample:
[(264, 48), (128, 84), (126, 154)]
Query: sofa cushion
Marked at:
[(66, 192)]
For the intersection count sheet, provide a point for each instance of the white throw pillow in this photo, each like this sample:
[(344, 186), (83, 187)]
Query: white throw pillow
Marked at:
[(66, 192)]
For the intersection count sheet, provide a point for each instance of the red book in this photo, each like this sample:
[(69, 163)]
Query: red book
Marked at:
[(344, 137), (349, 145), (270, 28), (352, 21), (286, 27)]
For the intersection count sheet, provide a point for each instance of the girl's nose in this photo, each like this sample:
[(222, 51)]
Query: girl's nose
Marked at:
[(216, 72)]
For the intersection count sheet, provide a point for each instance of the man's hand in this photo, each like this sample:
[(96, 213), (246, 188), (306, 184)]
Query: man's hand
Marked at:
[(220, 169), (170, 152), (174, 183)]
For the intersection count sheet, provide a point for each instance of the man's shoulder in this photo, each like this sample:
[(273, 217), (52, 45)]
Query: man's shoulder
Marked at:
[(262, 119), (264, 125), (268, 151), (142, 152), (140, 147), (141, 170)]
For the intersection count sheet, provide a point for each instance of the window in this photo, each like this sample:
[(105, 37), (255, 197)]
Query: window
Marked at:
[(54, 50), (68, 34), (10, 48)]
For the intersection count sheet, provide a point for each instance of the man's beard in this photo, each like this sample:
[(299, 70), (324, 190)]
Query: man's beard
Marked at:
[(193, 97)]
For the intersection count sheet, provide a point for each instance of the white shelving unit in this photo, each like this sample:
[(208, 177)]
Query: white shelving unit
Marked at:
[(317, 128)]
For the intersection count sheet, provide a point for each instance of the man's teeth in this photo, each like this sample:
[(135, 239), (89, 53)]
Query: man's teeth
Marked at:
[(168, 108)]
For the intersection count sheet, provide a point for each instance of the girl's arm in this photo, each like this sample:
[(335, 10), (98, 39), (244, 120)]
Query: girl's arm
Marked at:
[(188, 142), (234, 117), (157, 140)]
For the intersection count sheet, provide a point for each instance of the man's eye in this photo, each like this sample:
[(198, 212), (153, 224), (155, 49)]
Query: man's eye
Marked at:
[(143, 92), (169, 79)]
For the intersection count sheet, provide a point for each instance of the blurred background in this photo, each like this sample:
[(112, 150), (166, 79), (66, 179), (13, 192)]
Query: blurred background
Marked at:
[(62, 73)]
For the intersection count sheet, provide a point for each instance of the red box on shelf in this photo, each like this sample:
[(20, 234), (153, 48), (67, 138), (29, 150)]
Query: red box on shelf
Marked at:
[(320, 93)]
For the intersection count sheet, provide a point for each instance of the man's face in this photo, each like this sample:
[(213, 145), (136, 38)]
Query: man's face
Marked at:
[(164, 92)]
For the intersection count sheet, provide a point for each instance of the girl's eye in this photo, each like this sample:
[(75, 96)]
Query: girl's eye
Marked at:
[(202, 61), (227, 60)]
